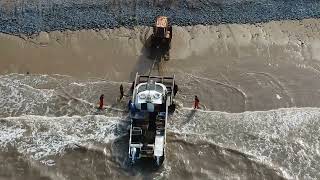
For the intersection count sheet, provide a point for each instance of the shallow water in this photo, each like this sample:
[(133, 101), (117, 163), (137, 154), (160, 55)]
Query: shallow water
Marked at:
[(50, 129)]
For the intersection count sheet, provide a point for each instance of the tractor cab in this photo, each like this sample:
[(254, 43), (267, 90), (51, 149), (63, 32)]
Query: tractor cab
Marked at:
[(162, 28)]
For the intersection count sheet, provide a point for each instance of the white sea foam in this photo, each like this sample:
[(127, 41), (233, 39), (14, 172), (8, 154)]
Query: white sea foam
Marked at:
[(40, 137), (20, 98), (78, 84), (283, 138), (48, 96)]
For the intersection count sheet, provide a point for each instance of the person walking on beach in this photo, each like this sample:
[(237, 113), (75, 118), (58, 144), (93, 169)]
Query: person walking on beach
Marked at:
[(101, 102), (196, 102), (121, 92)]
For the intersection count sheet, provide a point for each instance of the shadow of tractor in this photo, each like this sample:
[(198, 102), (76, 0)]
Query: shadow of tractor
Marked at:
[(153, 55)]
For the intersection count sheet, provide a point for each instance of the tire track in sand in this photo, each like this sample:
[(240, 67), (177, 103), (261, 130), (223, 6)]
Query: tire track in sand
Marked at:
[(275, 81), (241, 92)]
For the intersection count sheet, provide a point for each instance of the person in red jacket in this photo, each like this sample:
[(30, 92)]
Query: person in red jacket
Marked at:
[(196, 102), (101, 101)]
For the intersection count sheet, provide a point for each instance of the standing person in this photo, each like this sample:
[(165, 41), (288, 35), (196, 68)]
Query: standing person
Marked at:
[(175, 89), (129, 105), (101, 102), (196, 102), (121, 92), (132, 87)]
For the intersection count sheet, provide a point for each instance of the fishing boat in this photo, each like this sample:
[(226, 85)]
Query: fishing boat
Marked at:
[(152, 99)]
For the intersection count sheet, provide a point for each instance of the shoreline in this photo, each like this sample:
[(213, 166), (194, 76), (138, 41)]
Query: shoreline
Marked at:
[(233, 67), (124, 50)]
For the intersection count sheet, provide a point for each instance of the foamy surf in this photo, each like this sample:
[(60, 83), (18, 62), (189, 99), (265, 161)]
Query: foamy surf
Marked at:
[(52, 120), (39, 137), (278, 140), (285, 139), (55, 95)]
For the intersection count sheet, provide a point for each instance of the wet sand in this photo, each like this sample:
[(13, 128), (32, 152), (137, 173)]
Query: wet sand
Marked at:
[(232, 67)]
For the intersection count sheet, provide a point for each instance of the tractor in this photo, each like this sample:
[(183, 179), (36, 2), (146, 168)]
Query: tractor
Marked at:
[(161, 38)]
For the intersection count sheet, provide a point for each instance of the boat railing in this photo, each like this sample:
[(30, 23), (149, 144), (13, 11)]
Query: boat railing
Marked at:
[(136, 131)]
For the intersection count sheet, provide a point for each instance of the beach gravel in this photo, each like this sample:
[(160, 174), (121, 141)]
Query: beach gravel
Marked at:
[(31, 17)]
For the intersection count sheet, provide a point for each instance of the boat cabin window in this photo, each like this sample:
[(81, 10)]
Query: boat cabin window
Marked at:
[(159, 88), (142, 88), (151, 85), (155, 87)]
